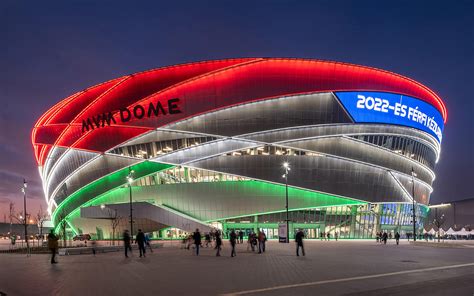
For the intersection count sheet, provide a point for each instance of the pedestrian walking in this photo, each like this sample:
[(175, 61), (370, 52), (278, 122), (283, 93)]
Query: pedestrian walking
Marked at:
[(189, 240), (126, 243), (241, 236), (53, 245), (252, 241), (148, 242), (384, 238), (249, 241), (233, 241), (140, 240), (93, 246), (218, 243), (336, 235), (197, 240), (207, 236), (329, 236), (184, 242), (299, 242), (261, 242), (397, 237)]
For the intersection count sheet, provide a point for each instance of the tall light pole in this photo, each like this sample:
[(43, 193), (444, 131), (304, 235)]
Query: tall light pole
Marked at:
[(25, 217), (286, 166), (129, 181), (413, 174)]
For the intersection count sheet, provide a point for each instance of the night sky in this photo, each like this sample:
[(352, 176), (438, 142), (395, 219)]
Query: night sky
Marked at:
[(50, 50)]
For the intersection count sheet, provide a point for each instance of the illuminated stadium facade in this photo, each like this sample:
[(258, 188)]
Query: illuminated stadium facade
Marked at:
[(205, 142)]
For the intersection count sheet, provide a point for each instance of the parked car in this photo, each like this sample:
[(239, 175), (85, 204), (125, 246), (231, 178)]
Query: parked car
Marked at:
[(82, 237)]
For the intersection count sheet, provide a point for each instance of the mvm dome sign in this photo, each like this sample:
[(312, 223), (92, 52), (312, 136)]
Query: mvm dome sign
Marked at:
[(126, 114)]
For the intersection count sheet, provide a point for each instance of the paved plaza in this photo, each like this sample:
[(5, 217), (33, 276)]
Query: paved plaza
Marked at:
[(329, 268)]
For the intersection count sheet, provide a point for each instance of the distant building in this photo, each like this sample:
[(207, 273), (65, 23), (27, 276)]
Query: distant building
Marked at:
[(7, 229), (456, 215)]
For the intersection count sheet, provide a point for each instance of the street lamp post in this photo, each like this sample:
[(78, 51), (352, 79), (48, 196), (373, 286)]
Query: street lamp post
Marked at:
[(413, 174), (286, 166), (130, 180), (25, 218)]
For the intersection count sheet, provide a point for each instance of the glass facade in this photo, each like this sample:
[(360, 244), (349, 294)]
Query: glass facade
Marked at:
[(347, 222), (404, 146)]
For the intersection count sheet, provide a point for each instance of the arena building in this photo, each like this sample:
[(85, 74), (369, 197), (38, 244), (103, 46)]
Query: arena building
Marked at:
[(203, 145)]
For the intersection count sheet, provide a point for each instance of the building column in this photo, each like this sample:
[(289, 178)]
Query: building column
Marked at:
[(353, 221), (255, 225), (186, 174)]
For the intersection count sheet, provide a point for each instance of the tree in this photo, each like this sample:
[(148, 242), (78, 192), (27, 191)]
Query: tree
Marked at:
[(114, 222), (438, 222), (41, 217), (20, 218)]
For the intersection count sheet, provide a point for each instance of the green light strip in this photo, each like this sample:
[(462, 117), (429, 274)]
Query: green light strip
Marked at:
[(105, 184), (317, 199)]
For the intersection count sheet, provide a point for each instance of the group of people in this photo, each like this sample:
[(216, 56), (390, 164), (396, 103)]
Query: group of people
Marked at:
[(195, 239), (141, 239), (382, 237), (252, 241), (327, 236), (255, 240)]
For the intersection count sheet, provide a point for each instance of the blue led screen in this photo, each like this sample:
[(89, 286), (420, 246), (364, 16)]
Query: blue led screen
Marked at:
[(380, 107)]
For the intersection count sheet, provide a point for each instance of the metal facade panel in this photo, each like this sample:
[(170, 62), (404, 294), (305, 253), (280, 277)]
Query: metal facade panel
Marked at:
[(352, 149), (69, 162), (160, 135), (204, 151), (267, 115), (94, 170), (339, 129), (54, 155), (325, 174)]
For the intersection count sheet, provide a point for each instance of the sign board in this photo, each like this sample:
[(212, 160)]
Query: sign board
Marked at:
[(380, 107), (282, 232)]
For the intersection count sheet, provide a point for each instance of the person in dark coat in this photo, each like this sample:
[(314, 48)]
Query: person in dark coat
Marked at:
[(148, 242), (207, 237), (140, 240), (218, 243), (197, 240), (53, 245), (241, 236), (397, 237), (233, 241), (261, 242), (126, 242), (384, 238), (253, 241), (299, 242)]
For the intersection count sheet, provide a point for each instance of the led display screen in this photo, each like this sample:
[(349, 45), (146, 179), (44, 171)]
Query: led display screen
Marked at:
[(380, 107)]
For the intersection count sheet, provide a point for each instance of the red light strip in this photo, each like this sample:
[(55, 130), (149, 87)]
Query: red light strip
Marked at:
[(43, 120), (368, 75)]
